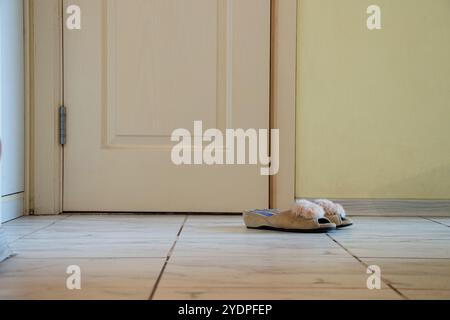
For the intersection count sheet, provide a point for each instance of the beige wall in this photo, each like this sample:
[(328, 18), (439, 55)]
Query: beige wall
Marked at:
[(374, 106)]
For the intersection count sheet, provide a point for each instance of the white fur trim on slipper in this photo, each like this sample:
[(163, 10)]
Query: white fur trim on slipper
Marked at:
[(331, 207), (308, 210)]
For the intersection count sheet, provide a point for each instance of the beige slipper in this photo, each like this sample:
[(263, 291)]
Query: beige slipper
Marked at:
[(335, 213), (305, 217)]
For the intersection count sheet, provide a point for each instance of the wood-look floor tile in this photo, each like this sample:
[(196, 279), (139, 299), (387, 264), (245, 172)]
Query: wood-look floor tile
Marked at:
[(399, 248), (427, 294), (272, 247), (38, 279), (208, 293), (428, 274), (91, 248), (251, 271), (27, 225)]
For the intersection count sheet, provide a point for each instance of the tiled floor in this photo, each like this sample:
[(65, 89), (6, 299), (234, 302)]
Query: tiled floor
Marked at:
[(215, 257)]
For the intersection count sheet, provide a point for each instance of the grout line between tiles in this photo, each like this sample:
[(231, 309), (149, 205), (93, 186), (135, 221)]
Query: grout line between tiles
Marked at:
[(31, 258), (40, 229), (87, 258), (169, 255), (437, 222), (386, 282), (405, 258)]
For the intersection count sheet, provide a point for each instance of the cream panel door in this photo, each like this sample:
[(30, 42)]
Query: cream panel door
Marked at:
[(139, 69)]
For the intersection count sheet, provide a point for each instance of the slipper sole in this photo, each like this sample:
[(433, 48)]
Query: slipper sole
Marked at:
[(344, 226), (321, 230)]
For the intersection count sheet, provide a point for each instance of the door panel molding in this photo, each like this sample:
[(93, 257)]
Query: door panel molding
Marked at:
[(218, 69)]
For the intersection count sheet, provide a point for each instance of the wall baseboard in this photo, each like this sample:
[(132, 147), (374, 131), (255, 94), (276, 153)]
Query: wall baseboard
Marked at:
[(404, 208), (12, 207)]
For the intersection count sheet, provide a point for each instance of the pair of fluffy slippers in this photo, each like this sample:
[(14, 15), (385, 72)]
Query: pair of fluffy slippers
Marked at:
[(305, 216)]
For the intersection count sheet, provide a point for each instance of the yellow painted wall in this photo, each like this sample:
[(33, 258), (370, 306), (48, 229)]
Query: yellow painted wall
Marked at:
[(374, 106)]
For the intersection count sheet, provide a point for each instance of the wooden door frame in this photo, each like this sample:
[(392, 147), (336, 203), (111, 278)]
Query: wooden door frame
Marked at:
[(44, 171), (283, 103), (45, 157)]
